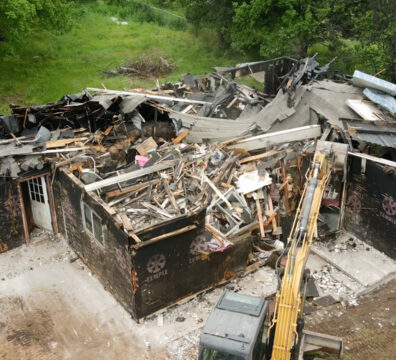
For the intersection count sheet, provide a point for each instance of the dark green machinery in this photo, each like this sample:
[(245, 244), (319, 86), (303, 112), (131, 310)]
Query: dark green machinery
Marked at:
[(236, 329)]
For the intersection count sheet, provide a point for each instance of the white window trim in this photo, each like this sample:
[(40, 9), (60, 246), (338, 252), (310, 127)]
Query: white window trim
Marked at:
[(91, 234)]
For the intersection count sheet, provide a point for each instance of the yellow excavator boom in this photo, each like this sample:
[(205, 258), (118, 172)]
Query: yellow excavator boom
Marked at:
[(289, 303)]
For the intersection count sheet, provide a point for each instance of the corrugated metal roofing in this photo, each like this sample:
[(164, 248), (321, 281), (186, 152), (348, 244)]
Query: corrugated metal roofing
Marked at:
[(376, 134)]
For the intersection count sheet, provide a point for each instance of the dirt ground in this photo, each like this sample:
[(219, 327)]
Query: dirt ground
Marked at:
[(368, 330), (53, 307)]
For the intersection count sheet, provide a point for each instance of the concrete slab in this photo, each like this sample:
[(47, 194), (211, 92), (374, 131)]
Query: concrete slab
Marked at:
[(359, 261)]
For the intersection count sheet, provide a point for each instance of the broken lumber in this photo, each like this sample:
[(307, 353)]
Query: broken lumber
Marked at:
[(62, 142), (180, 137), (128, 176), (259, 156), (149, 96), (134, 188), (278, 137), (171, 196), (260, 218), (374, 158), (165, 236)]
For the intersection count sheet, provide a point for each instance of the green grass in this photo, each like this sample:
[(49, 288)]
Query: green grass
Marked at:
[(46, 66)]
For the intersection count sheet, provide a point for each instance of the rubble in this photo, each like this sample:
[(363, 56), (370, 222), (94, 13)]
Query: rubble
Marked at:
[(145, 66), (205, 159)]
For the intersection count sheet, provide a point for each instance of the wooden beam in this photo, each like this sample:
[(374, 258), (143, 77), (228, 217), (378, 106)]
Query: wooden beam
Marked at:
[(286, 189), (165, 236), (134, 237), (260, 218), (278, 137), (180, 137), (271, 209), (129, 176), (126, 222), (171, 196), (374, 158), (218, 192), (62, 142), (148, 96), (259, 156), (133, 188)]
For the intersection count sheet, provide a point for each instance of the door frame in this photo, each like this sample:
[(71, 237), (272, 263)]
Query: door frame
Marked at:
[(51, 204)]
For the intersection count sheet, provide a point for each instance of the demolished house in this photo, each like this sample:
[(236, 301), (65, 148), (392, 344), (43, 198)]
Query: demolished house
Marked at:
[(169, 192)]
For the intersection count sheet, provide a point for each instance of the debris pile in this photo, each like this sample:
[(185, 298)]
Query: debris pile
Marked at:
[(171, 178), (206, 142), (145, 66)]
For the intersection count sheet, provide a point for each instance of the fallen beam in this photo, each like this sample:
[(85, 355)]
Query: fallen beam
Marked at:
[(260, 156), (278, 137), (148, 96), (128, 176), (374, 158)]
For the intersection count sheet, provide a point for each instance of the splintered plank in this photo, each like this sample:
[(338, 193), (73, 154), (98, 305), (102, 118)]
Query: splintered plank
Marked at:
[(181, 137), (166, 236), (171, 196), (278, 137), (126, 222), (128, 176), (62, 142), (134, 188), (259, 156), (146, 146)]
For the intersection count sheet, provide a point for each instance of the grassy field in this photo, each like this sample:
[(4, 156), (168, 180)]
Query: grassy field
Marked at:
[(46, 66)]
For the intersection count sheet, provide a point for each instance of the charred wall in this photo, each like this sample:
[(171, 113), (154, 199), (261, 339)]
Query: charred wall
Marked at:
[(370, 212), (174, 268), (11, 229), (158, 273), (111, 261)]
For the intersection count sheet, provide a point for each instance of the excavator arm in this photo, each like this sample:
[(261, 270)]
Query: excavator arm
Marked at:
[(289, 299)]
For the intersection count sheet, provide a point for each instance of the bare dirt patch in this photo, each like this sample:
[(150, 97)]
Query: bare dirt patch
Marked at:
[(368, 330)]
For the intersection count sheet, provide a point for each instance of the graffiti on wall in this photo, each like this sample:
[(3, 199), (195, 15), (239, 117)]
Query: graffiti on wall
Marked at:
[(355, 201), (388, 209), (198, 246), (156, 267)]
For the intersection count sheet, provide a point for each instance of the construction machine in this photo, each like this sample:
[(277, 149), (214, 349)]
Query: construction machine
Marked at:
[(240, 326)]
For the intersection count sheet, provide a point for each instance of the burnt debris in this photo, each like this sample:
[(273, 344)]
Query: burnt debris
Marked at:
[(206, 156)]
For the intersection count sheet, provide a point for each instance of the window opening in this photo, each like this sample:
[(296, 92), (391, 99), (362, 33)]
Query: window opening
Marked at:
[(93, 223)]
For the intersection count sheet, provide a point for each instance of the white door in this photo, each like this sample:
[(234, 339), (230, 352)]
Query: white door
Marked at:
[(39, 201)]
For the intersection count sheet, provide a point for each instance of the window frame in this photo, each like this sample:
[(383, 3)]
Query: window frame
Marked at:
[(36, 190), (91, 231)]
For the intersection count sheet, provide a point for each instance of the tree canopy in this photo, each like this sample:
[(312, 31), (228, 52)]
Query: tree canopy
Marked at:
[(18, 17), (291, 27)]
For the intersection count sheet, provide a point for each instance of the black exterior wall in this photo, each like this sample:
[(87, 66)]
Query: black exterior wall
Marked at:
[(370, 212), (11, 230), (111, 262), (153, 275), (181, 269)]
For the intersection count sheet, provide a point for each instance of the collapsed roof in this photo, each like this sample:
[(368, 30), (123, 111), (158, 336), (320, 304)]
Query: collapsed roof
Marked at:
[(209, 108)]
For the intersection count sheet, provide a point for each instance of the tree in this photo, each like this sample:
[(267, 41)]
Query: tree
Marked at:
[(281, 27), (18, 17), (217, 14), (374, 27)]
